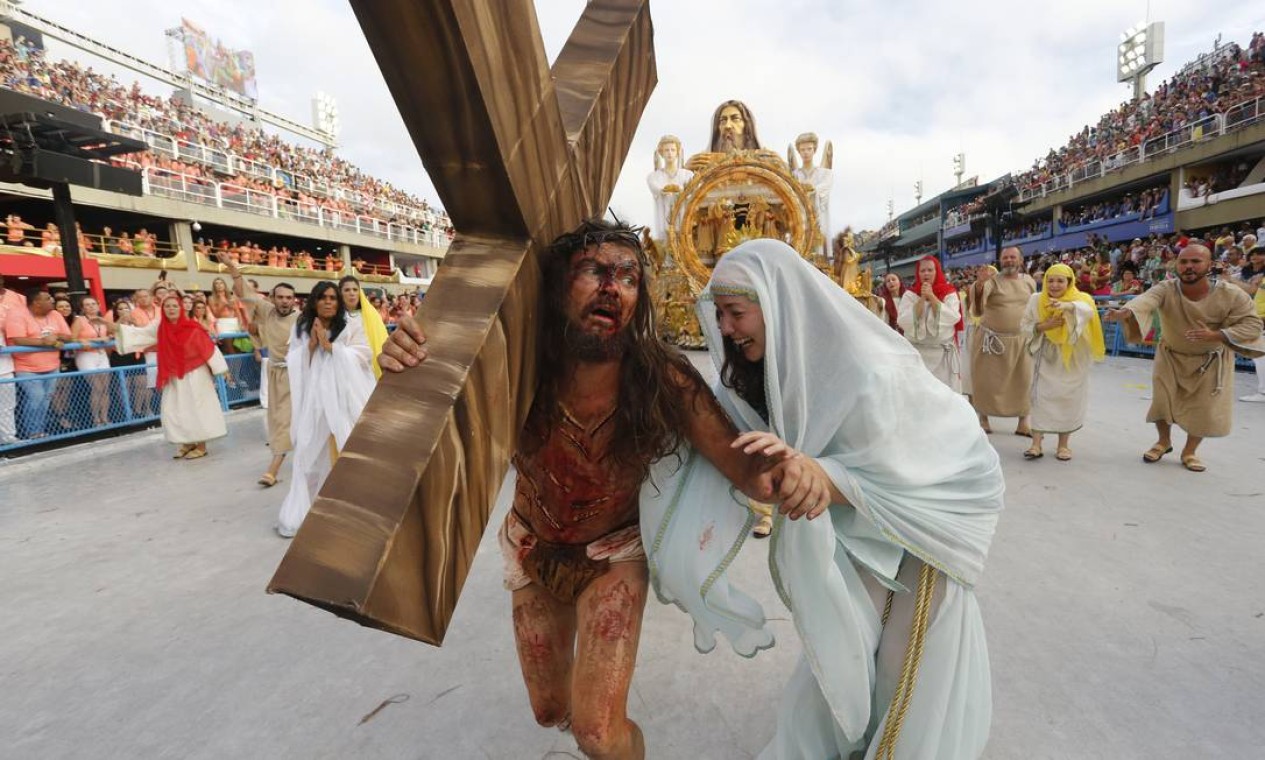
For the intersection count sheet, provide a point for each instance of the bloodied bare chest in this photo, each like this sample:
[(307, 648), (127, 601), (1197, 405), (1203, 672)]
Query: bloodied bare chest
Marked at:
[(570, 490)]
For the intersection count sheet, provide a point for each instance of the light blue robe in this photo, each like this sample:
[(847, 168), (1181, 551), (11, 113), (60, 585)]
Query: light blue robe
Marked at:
[(922, 485)]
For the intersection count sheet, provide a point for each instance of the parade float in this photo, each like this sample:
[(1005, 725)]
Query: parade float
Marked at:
[(737, 191)]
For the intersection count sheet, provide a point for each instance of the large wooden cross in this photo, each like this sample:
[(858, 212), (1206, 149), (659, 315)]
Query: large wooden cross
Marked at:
[(519, 153)]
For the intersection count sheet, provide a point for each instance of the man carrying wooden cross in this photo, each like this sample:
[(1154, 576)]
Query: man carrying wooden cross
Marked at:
[(611, 399)]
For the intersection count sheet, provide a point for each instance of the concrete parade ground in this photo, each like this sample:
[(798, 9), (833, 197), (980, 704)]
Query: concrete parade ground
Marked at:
[(1124, 605)]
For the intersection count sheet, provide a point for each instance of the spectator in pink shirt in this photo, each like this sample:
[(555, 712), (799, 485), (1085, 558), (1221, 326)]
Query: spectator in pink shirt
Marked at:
[(39, 326), (91, 329), (10, 300)]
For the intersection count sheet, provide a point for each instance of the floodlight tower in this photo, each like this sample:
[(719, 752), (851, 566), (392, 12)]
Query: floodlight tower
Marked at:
[(325, 117), (959, 167), (1141, 49)]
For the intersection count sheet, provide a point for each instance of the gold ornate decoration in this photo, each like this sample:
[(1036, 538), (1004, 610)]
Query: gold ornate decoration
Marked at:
[(714, 211)]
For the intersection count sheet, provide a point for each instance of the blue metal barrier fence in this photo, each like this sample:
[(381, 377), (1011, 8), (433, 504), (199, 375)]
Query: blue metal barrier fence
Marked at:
[(39, 408)]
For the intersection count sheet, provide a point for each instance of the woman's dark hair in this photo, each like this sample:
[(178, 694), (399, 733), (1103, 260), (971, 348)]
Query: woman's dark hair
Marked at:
[(308, 315), (657, 385), (746, 378), (346, 279)]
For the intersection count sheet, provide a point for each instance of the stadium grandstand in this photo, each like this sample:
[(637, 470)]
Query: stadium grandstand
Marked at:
[(1185, 160), (212, 184)]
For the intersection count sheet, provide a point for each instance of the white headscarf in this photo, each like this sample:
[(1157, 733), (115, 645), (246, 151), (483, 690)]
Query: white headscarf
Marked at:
[(906, 452), (842, 387)]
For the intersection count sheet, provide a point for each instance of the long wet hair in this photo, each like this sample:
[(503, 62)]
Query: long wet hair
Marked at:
[(656, 383), (306, 317)]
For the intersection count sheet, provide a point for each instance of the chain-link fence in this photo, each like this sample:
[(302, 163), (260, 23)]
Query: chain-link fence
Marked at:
[(39, 408)]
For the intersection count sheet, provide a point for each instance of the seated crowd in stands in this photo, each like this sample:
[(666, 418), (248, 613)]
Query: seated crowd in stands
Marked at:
[(962, 214), (1122, 268), (1218, 178), (1231, 76), (1026, 229), (26, 68), (966, 243), (1145, 203)]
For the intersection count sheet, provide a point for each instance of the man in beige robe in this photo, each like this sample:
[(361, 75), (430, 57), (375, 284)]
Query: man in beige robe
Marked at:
[(273, 321), (1202, 325), (1001, 368)]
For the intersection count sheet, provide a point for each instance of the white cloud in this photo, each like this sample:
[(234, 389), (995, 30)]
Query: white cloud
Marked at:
[(899, 87)]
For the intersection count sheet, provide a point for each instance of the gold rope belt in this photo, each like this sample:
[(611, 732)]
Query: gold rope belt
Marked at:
[(913, 658)]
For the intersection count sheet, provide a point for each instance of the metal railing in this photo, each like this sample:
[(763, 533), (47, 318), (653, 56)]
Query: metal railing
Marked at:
[(1216, 125), (227, 195), (226, 162), (36, 409)]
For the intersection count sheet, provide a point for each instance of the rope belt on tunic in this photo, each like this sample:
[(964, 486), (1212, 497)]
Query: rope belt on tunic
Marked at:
[(1214, 357), (991, 341), (953, 356), (904, 694)]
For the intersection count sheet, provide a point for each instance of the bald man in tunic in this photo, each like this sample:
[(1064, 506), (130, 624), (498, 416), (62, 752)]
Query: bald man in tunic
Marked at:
[(1001, 367), (1202, 324)]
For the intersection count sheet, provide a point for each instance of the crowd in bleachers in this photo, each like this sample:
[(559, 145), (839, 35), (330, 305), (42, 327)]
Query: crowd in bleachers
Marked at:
[(963, 213), (1145, 203), (1027, 229), (144, 243), (966, 243), (1232, 76), (1218, 177), (1121, 268), (26, 68)]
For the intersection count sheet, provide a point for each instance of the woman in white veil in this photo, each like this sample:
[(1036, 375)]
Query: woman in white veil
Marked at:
[(880, 583)]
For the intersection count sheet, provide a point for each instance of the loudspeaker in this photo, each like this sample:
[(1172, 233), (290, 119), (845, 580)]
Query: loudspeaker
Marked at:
[(17, 102), (40, 167)]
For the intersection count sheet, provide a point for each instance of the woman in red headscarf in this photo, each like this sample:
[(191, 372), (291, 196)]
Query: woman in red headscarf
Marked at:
[(931, 316), (191, 412), (891, 292)]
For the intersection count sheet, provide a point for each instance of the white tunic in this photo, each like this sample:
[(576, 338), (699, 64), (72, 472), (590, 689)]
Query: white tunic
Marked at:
[(328, 391), (1060, 395), (191, 411), (932, 335)]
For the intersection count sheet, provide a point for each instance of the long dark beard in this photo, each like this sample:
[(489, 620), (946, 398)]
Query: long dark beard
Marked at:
[(728, 143), (587, 347)]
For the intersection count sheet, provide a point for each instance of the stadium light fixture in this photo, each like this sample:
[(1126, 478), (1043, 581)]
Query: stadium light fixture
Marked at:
[(1141, 49), (325, 116)]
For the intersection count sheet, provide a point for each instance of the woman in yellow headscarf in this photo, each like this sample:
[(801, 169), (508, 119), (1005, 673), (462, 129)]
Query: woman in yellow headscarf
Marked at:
[(1065, 338)]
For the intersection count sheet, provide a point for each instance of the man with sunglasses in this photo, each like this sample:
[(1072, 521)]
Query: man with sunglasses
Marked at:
[(611, 399)]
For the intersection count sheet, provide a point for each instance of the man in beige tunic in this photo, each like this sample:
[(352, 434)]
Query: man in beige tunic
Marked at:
[(273, 319), (1202, 325), (1001, 368)]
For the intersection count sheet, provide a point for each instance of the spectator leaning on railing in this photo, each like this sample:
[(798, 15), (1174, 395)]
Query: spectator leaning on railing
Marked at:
[(10, 300), (39, 325)]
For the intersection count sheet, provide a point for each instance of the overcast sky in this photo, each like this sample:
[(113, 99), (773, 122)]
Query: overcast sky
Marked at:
[(898, 86)]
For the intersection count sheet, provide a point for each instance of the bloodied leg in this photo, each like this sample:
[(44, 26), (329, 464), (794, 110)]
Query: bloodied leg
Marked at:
[(609, 619), (544, 631)]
